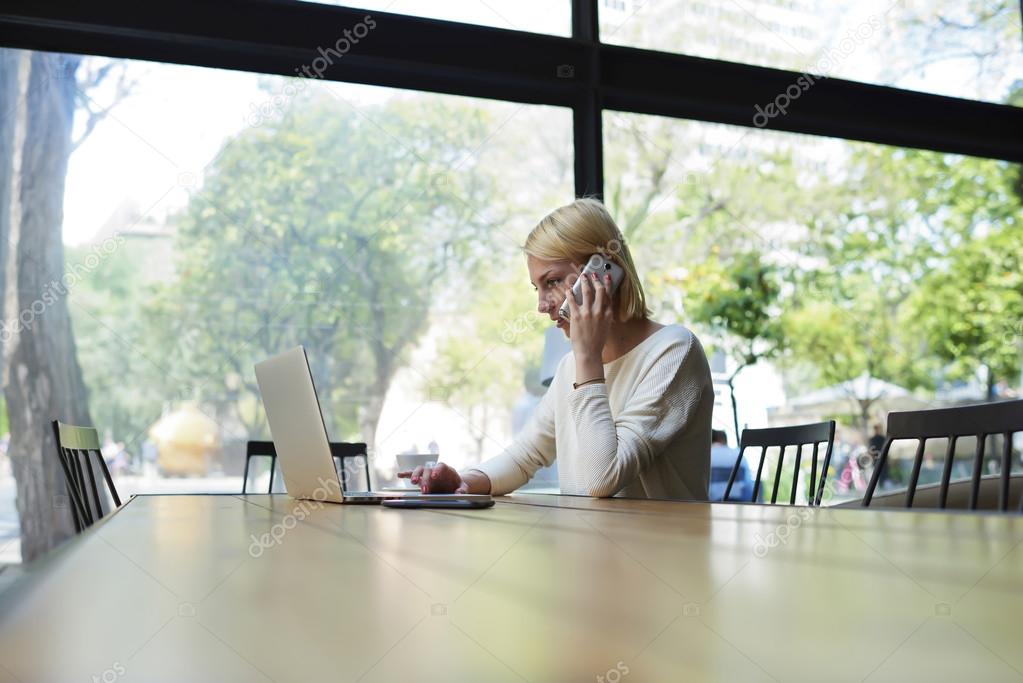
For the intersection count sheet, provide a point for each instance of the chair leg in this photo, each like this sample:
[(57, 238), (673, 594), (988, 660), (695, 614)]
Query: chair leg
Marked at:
[(875, 476), (245, 474), (92, 484), (777, 475), (914, 476), (760, 470), (978, 468), (812, 494), (75, 517), (1003, 491), (73, 501), (825, 466), (109, 480), (795, 474), (731, 477), (946, 472), (80, 487)]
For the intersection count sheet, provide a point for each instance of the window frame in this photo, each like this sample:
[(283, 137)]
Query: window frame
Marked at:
[(278, 36)]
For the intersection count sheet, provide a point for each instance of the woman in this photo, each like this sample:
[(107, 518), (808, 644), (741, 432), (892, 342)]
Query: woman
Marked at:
[(629, 409)]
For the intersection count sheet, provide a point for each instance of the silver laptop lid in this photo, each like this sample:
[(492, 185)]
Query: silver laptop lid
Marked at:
[(297, 427)]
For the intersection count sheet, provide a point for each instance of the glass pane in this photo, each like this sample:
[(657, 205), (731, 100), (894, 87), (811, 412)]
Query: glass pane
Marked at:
[(971, 49), (214, 218), (536, 16), (840, 280)]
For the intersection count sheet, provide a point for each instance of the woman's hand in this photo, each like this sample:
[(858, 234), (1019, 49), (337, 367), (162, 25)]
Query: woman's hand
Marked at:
[(590, 321), (436, 478)]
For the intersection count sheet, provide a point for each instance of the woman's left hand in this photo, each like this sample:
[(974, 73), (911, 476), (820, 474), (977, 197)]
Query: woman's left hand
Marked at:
[(590, 321)]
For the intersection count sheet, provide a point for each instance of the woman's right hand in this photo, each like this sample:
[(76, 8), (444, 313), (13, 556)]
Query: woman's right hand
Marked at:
[(436, 478)]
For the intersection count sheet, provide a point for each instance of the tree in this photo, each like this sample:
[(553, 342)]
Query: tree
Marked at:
[(740, 301), (10, 61), (907, 211), (982, 35), (44, 379), (114, 348), (969, 311), (329, 228)]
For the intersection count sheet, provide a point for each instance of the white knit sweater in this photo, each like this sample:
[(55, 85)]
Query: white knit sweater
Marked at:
[(644, 433)]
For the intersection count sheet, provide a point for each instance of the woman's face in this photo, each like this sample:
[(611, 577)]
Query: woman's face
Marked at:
[(546, 277)]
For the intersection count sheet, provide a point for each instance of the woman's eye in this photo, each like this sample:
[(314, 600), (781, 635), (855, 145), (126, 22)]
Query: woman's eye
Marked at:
[(553, 282)]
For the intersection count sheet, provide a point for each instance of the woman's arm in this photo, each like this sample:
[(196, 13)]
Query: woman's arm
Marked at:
[(476, 482)]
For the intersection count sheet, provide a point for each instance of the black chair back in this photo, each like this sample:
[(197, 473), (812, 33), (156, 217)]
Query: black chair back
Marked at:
[(783, 438), (339, 450), (980, 421), (77, 447)]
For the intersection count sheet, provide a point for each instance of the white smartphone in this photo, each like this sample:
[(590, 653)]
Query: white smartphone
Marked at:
[(599, 265)]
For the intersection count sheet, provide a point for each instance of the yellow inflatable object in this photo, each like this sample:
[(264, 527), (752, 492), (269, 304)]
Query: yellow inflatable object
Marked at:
[(186, 439)]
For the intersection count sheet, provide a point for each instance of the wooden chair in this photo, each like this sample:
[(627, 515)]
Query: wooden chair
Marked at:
[(76, 449), (783, 438), (339, 450), (980, 421)]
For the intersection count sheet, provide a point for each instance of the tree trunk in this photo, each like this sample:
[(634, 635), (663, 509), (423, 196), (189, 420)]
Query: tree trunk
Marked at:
[(45, 381), (9, 105), (865, 420), (735, 406), (369, 417)]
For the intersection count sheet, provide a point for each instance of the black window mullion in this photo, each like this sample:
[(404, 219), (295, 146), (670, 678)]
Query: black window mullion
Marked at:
[(587, 126), (274, 36)]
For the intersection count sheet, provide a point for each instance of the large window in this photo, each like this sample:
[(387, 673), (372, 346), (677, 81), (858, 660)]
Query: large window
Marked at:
[(167, 226), (971, 49), (215, 218), (841, 280)]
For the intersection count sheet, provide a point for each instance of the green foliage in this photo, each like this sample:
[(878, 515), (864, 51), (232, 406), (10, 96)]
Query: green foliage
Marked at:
[(970, 309), (907, 212), (330, 228), (740, 301), (839, 265), (114, 348)]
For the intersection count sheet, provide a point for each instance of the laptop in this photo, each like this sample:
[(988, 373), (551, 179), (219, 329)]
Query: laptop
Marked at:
[(303, 448)]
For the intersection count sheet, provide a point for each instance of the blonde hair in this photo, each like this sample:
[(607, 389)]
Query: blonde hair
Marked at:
[(578, 230)]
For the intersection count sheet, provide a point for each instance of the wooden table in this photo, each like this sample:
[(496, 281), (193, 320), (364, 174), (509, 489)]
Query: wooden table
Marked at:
[(538, 588)]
